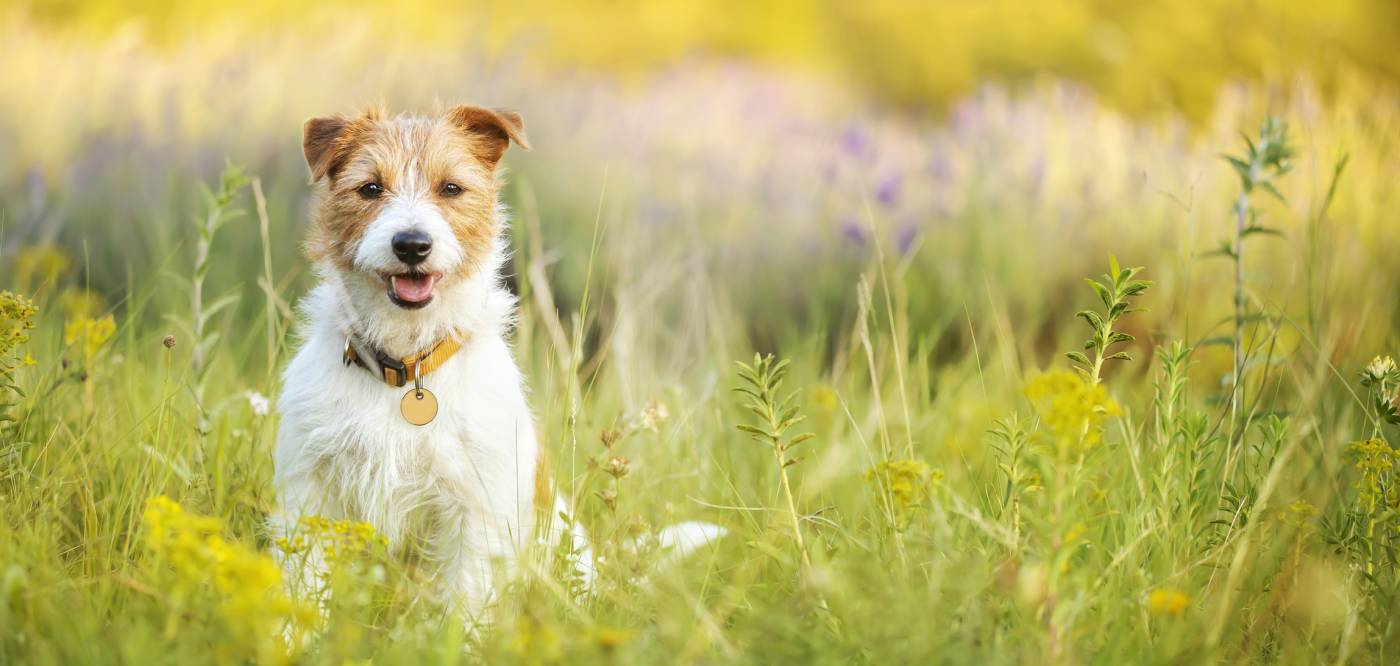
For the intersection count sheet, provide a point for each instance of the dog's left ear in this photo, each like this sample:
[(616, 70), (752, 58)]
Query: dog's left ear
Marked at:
[(495, 129)]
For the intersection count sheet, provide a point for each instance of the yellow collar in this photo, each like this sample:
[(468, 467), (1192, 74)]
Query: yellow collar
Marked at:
[(397, 372)]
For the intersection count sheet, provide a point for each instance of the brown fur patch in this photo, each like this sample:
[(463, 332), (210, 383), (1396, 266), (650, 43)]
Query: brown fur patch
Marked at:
[(407, 155)]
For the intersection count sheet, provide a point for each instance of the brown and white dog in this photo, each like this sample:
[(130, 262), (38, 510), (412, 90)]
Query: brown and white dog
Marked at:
[(406, 239)]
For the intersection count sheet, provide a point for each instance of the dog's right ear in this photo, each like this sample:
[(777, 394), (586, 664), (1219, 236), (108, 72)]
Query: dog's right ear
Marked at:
[(318, 141)]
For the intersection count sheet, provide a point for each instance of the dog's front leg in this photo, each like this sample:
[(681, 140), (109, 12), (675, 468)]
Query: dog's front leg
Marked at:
[(304, 568)]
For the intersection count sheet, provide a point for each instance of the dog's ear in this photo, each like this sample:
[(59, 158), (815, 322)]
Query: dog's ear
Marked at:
[(318, 141), (494, 129)]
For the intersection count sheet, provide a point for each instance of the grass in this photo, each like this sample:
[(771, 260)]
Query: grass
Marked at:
[(967, 494)]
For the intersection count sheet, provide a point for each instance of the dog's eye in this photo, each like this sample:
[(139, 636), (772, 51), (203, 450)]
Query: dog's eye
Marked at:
[(451, 189), (371, 190)]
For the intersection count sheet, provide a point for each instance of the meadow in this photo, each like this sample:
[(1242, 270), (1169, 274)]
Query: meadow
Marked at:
[(948, 447)]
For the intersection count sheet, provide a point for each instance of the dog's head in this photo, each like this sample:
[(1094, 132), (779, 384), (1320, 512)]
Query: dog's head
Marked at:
[(406, 206)]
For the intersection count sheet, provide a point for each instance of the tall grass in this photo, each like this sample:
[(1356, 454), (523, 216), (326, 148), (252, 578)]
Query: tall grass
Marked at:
[(967, 497)]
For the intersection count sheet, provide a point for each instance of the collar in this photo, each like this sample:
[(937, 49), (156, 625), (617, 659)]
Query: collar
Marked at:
[(398, 372)]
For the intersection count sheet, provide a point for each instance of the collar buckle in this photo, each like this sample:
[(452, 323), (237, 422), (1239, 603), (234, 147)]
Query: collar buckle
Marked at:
[(395, 371)]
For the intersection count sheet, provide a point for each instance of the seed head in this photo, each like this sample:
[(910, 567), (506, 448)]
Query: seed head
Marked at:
[(617, 466)]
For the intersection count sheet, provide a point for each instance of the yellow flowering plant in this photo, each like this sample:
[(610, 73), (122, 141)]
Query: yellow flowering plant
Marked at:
[(198, 568), (16, 321), (339, 542), (40, 266), (88, 335), (908, 485), (1167, 602), (1071, 408)]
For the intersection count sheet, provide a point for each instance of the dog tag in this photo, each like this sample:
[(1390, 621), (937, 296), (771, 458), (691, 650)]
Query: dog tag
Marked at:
[(419, 406)]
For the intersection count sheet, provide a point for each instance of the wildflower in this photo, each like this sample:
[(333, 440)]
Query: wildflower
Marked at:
[(1299, 514), (1072, 408), (611, 638), (1381, 370), (909, 484), (1167, 601), (41, 265), (169, 342), (248, 584), (258, 402), (653, 416), (16, 320), (89, 334), (610, 437), (535, 639), (341, 542), (1375, 460), (609, 498), (617, 466), (887, 192), (824, 398)]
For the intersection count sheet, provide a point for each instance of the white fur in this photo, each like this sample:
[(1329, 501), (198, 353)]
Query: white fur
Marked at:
[(345, 451)]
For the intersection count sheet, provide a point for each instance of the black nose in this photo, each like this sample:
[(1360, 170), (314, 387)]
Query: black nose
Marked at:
[(412, 247)]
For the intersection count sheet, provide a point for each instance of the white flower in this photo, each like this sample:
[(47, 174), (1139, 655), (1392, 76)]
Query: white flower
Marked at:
[(654, 415), (1380, 368), (258, 402)]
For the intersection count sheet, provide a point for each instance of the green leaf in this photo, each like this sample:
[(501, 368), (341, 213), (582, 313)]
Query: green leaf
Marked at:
[(754, 430), (1258, 229), (1104, 294), (1269, 187), (1093, 318)]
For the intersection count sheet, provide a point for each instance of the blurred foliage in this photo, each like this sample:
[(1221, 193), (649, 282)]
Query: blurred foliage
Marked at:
[(1143, 56), (921, 276)]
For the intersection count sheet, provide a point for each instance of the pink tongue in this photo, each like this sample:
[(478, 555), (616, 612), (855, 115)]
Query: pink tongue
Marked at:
[(412, 288)]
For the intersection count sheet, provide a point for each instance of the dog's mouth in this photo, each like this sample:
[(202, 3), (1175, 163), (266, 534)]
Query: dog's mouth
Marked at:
[(411, 290)]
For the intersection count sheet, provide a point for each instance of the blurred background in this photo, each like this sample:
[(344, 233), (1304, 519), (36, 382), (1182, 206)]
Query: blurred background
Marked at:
[(744, 162), (902, 198)]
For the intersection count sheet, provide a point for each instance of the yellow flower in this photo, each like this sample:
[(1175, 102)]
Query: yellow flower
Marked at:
[(1299, 514), (1167, 601), (611, 638), (1375, 460), (341, 542), (41, 265), (16, 320), (1072, 408), (89, 334), (824, 398), (909, 484), (246, 583)]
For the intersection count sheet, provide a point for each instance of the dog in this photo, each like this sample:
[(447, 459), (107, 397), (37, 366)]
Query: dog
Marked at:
[(403, 406)]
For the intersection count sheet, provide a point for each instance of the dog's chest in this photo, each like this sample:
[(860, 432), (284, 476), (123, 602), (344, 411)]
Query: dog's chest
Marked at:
[(345, 430)]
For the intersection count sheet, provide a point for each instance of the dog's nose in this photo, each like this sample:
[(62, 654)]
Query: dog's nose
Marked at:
[(412, 247)]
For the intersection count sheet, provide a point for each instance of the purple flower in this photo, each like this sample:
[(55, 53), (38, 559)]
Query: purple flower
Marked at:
[(856, 143), (887, 192), (852, 231)]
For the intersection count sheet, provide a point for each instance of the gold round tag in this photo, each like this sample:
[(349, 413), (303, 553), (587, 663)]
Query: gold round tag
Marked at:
[(419, 406)]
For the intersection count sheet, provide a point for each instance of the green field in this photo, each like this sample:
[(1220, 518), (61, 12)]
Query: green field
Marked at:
[(916, 247)]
